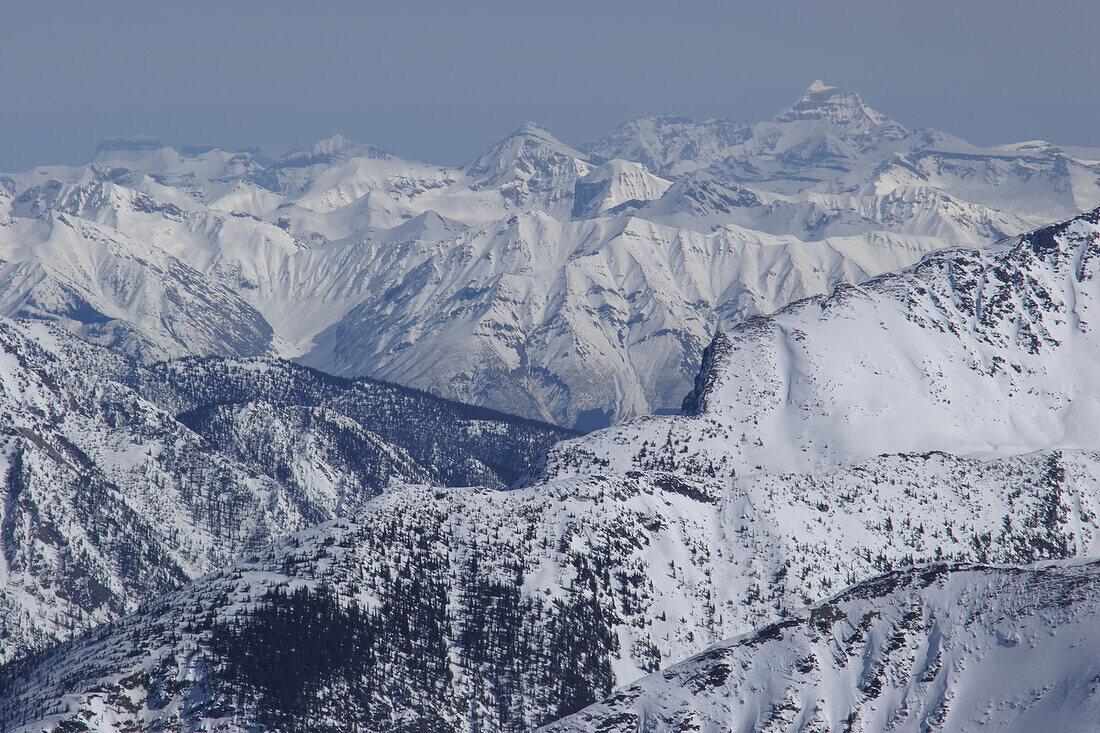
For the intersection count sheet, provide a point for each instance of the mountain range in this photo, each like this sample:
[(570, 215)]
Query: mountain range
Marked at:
[(122, 481), (572, 285), (866, 446)]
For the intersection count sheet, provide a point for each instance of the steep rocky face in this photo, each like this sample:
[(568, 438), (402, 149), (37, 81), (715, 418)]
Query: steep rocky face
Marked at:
[(121, 482), (573, 286), (641, 545)]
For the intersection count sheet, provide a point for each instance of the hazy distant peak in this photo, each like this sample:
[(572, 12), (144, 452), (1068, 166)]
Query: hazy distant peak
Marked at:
[(520, 153), (334, 144), (833, 105), (329, 150), (533, 132)]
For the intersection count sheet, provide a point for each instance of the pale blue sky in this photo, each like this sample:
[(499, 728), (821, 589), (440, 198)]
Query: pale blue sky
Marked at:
[(442, 80)]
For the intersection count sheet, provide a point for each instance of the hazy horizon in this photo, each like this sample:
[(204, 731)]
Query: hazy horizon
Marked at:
[(442, 82)]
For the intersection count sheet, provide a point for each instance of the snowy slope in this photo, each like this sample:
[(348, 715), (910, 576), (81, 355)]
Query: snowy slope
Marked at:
[(120, 482), (488, 610), (933, 648), (974, 352), (936, 414), (578, 286)]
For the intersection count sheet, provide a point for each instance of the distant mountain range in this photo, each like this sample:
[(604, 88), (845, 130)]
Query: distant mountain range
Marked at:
[(577, 286), (884, 437)]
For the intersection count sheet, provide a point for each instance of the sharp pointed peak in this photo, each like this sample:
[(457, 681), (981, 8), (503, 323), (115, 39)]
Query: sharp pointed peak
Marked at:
[(820, 91), (527, 134), (833, 105), (530, 127), (533, 130)]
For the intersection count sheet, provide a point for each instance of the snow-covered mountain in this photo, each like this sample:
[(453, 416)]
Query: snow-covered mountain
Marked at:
[(941, 413), (932, 648), (987, 351), (120, 482), (573, 285), (671, 146)]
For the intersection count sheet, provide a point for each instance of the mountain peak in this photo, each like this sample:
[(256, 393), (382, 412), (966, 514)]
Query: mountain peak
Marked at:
[(328, 151), (526, 150), (530, 127), (333, 144), (835, 106), (533, 133)]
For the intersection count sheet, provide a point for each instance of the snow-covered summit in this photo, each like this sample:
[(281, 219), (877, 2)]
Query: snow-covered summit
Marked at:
[(530, 166), (839, 108), (330, 150), (615, 186)]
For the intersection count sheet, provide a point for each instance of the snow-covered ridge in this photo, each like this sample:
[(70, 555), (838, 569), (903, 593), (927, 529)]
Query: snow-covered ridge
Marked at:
[(577, 285), (575, 586), (932, 648), (983, 352), (121, 482)]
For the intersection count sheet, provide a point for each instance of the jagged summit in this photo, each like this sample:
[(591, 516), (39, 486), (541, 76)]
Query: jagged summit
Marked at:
[(554, 305), (530, 167), (834, 106), (530, 141)]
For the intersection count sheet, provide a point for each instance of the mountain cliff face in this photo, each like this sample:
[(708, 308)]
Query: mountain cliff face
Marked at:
[(576, 286), (923, 416), (120, 482)]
